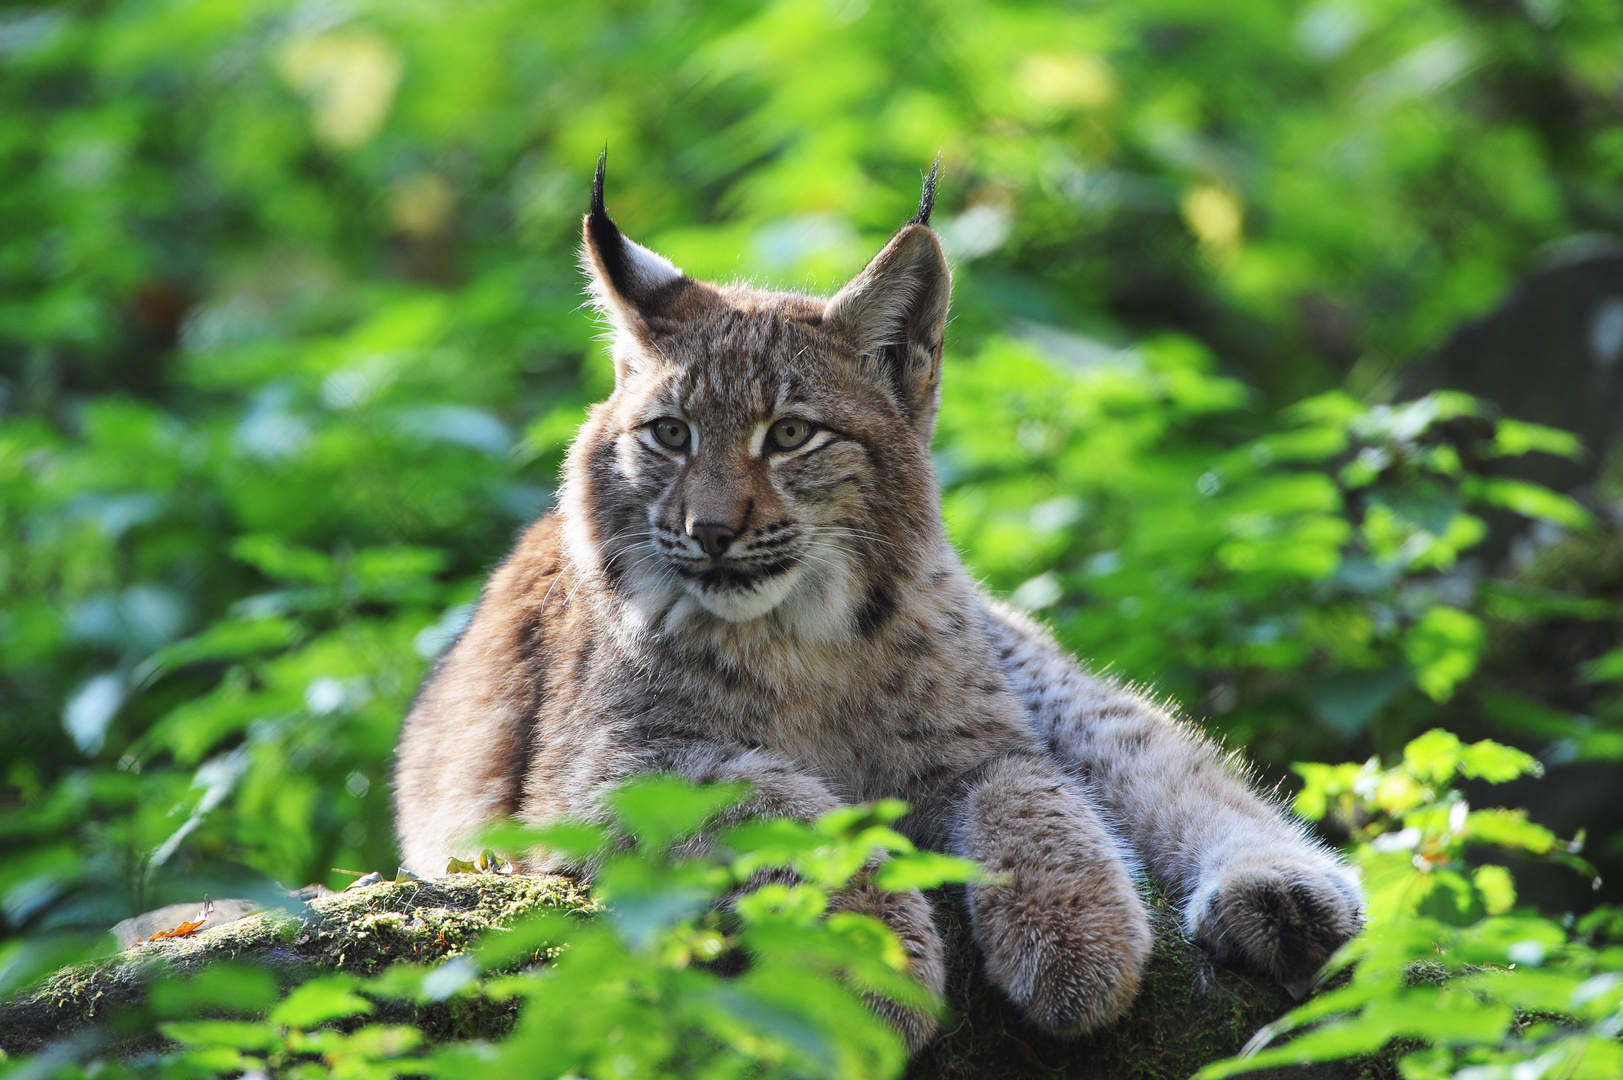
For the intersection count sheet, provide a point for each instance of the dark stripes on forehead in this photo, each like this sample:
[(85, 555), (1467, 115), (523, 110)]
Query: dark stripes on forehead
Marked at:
[(735, 360)]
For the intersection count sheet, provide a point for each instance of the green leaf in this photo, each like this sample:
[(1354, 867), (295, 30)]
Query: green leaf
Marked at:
[(1509, 829), (1497, 764), (320, 1000), (228, 640), (221, 987), (1496, 888), (219, 1060), (233, 1034), (924, 870), (372, 1042), (1513, 438), (1434, 756), (659, 809), (276, 558), (1421, 1013), (1530, 500), (1607, 668), (765, 842), (1443, 648), (528, 939), (573, 839), (848, 821)]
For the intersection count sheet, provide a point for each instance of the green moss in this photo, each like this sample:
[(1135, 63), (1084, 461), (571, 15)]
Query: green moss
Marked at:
[(363, 931)]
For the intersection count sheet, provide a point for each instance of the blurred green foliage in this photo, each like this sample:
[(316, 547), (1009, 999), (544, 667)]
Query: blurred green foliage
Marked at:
[(291, 343), (1452, 977)]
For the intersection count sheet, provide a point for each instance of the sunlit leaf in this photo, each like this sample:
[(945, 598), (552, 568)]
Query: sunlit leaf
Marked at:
[(233, 1034), (658, 809), (319, 1000)]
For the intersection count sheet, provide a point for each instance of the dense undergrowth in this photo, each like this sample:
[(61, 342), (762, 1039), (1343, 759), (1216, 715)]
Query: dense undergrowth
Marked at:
[(291, 344)]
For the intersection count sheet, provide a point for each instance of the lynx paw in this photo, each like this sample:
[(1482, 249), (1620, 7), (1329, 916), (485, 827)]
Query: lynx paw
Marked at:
[(1070, 957), (1282, 918), (911, 919)]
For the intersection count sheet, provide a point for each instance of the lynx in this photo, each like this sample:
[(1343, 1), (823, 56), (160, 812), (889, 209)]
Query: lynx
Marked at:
[(746, 578)]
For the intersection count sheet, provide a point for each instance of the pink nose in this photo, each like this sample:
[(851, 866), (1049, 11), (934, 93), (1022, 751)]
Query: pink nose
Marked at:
[(712, 537)]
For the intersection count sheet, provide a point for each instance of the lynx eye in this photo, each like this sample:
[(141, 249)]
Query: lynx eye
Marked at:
[(790, 434), (671, 432)]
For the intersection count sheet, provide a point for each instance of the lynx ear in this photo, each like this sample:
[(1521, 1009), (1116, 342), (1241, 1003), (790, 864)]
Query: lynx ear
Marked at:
[(894, 312), (640, 292)]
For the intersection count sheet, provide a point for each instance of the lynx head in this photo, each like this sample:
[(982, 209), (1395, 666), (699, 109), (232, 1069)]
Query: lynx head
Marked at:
[(764, 458)]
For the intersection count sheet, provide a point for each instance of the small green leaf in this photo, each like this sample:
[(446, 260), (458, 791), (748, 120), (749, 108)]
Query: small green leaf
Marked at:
[(1513, 438), (1530, 500), (319, 1000), (276, 558), (1497, 764), (1434, 756), (228, 988), (847, 821), (1443, 648), (764, 842), (661, 808), (220, 1060), (575, 840), (229, 640), (924, 870), (528, 939), (1497, 889), (1509, 829), (235, 1034), (373, 1041), (1608, 668)]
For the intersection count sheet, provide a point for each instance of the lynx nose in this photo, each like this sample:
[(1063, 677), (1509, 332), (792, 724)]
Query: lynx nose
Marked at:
[(712, 537)]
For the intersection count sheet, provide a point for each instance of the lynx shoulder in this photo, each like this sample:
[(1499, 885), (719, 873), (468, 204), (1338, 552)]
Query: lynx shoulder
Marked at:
[(747, 578)]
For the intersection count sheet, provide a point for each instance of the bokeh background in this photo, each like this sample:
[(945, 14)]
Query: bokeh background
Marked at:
[(292, 342)]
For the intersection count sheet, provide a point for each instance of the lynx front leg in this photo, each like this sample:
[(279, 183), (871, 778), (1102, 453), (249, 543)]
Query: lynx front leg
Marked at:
[(1065, 934), (780, 790), (1258, 889)]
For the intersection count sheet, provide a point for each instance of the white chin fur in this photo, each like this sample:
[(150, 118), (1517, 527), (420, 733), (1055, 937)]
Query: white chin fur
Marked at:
[(743, 606)]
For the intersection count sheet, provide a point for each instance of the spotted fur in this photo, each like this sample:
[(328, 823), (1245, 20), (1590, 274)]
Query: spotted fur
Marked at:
[(727, 608)]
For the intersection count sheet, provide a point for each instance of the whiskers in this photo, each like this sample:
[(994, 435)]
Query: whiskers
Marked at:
[(630, 554), (807, 576), (843, 531)]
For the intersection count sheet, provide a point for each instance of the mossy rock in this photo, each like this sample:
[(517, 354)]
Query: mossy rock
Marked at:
[(1189, 1011), (361, 931)]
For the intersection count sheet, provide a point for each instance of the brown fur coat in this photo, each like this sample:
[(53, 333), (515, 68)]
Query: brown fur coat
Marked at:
[(747, 578)]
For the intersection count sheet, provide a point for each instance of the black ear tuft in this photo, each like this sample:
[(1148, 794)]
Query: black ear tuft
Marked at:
[(606, 236), (597, 184), (926, 197), (633, 286)]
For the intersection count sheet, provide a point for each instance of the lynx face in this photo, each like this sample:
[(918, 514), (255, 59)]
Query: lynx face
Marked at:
[(749, 484), (764, 456)]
